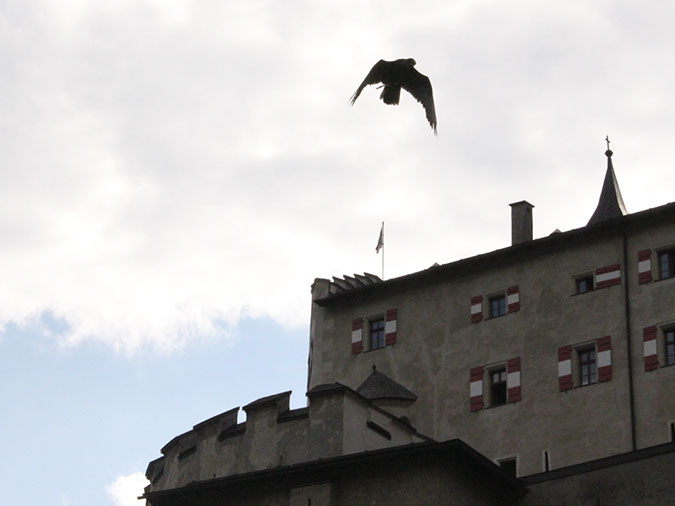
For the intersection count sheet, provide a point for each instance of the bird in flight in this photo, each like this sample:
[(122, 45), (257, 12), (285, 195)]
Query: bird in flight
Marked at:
[(398, 74)]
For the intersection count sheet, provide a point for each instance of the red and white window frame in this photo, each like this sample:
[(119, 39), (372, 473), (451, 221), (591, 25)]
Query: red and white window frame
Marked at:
[(390, 330), (510, 294), (655, 346), (568, 366), (479, 382)]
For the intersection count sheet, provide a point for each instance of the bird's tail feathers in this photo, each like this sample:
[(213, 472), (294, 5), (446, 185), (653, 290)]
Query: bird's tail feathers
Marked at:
[(391, 95)]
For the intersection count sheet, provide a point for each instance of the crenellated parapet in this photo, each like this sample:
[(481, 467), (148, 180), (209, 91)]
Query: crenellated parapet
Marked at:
[(345, 284), (337, 421)]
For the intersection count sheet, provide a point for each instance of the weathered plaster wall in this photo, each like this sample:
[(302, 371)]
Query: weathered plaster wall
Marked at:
[(620, 485), (437, 345), (417, 481), (652, 303), (336, 423), (410, 479)]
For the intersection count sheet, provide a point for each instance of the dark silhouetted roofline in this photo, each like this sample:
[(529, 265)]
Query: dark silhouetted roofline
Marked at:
[(323, 469), (465, 266), (593, 465)]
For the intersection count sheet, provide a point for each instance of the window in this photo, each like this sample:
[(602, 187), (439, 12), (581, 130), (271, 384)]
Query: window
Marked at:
[(667, 264), (376, 333), (658, 346), (585, 363), (495, 384), (508, 465), (498, 303), (588, 371), (498, 387), (583, 284), (497, 306), (669, 338)]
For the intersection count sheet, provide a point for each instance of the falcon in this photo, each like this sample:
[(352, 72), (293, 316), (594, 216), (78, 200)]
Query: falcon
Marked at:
[(398, 74)]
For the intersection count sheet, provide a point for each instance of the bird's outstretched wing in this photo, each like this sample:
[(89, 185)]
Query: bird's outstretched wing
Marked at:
[(419, 86), (375, 76)]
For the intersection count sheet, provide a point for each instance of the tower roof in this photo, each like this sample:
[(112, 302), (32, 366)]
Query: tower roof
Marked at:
[(611, 203), (380, 386)]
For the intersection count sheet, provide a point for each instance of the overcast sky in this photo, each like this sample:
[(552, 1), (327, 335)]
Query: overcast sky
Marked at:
[(176, 173)]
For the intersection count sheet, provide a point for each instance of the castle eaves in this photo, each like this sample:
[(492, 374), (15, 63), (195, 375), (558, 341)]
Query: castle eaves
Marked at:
[(541, 245)]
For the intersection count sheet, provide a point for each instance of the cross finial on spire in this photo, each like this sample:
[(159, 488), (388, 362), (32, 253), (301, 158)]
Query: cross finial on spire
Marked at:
[(611, 204)]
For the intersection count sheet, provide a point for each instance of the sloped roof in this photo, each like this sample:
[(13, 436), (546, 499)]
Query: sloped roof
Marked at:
[(611, 203), (454, 453), (380, 386)]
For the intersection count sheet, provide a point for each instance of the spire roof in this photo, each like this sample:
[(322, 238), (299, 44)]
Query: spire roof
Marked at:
[(611, 203)]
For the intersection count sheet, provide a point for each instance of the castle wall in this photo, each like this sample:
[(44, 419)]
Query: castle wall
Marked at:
[(635, 482), (336, 422), (416, 482), (652, 304), (437, 346), (446, 473)]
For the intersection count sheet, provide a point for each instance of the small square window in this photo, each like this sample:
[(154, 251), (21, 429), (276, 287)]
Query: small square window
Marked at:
[(588, 369), (498, 387), (669, 339), (583, 284), (667, 264), (376, 333), (497, 306), (509, 465)]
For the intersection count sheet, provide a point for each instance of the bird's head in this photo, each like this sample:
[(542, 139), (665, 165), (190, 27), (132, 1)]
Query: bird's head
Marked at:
[(411, 62)]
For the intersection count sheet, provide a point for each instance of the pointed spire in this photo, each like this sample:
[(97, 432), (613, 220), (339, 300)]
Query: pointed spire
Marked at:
[(611, 203)]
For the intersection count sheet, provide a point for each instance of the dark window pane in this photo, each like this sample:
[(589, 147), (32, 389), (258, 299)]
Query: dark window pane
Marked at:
[(670, 346), (497, 306), (663, 263), (588, 371), (667, 264), (498, 387), (584, 284), (377, 334)]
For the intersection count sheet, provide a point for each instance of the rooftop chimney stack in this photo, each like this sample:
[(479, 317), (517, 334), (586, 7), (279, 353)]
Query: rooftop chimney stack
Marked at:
[(521, 222)]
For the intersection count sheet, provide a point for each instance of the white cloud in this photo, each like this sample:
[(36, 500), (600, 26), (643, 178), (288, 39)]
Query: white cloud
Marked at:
[(126, 489), (170, 168)]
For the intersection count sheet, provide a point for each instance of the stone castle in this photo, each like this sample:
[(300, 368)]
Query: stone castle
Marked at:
[(539, 373)]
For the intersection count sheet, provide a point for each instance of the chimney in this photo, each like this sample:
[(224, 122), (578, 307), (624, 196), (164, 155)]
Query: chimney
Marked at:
[(521, 222)]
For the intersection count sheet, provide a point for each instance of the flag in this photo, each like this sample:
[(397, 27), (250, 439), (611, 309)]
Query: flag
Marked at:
[(380, 240)]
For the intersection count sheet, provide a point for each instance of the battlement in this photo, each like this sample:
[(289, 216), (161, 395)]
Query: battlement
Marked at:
[(274, 435)]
